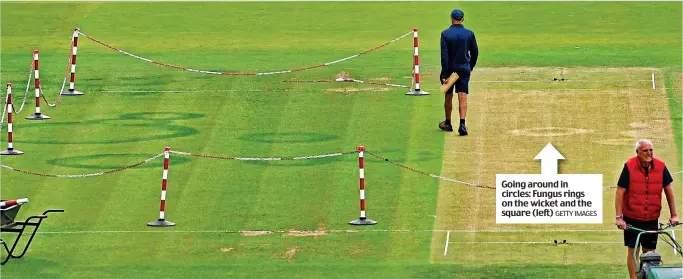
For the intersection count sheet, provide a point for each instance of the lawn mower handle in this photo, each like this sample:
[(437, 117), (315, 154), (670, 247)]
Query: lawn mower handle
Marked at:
[(661, 230)]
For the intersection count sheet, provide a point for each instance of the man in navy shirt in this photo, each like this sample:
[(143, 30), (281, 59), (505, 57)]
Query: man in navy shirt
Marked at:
[(459, 53)]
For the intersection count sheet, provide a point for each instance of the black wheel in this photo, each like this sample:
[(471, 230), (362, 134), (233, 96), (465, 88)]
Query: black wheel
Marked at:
[(644, 268)]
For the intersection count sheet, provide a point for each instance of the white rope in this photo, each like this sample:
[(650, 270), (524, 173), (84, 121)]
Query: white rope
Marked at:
[(241, 73), (83, 175), (28, 84), (318, 156), (376, 83), (60, 93), (262, 158)]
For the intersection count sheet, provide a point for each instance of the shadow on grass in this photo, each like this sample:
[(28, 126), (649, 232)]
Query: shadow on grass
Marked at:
[(156, 124), (288, 137), (99, 161)]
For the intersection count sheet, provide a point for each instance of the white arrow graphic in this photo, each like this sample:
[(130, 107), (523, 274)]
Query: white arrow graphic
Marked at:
[(549, 156)]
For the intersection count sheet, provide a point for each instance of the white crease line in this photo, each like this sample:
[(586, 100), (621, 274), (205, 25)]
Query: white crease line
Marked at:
[(543, 90), (536, 242), (565, 90), (105, 232), (211, 91), (552, 81), (181, 91), (448, 239)]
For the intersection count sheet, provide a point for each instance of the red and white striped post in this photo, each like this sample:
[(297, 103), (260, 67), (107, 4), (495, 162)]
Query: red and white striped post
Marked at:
[(72, 90), (13, 202), (416, 68), (8, 105), (361, 164), (37, 115), (161, 222)]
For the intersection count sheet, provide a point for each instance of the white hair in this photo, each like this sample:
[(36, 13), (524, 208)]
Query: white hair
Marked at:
[(640, 142)]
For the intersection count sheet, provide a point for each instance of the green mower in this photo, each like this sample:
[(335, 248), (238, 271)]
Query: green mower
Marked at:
[(651, 264)]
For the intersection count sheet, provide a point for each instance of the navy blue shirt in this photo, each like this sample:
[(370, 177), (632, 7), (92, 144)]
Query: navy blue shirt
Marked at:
[(624, 178), (459, 50)]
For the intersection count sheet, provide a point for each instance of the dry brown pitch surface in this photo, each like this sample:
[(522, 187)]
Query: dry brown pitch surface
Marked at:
[(593, 118)]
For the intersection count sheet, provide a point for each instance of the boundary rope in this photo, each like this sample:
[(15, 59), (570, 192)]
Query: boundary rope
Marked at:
[(291, 158), (319, 156), (455, 180), (345, 80), (264, 158), (242, 73), (84, 175), (429, 174), (66, 73)]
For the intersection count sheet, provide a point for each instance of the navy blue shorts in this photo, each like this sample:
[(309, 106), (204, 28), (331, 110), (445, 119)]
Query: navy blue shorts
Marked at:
[(462, 84), (647, 241)]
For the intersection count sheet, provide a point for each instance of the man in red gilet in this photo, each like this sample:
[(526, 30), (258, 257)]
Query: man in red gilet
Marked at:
[(639, 199)]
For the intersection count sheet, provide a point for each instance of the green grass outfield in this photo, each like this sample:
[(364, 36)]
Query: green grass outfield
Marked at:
[(103, 232)]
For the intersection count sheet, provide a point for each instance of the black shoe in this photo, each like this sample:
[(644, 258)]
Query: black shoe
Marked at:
[(445, 127), (462, 130)]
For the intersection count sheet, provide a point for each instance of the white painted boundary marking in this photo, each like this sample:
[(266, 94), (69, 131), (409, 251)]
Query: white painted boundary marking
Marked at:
[(653, 81)]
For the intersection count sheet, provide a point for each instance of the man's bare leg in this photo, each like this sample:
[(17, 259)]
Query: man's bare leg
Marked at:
[(462, 101), (631, 266), (448, 105), (632, 271), (448, 108)]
